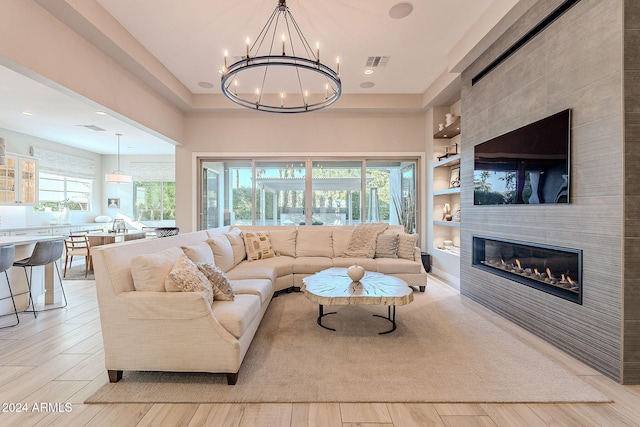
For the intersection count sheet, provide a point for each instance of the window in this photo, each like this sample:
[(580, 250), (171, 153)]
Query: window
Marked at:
[(308, 192), (57, 192), (154, 201)]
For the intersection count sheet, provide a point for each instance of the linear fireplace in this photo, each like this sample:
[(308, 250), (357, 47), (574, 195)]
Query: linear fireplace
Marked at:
[(551, 269)]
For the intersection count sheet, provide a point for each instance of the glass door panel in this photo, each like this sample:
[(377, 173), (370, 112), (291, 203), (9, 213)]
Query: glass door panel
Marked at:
[(227, 194), (391, 192), (280, 192), (336, 189)]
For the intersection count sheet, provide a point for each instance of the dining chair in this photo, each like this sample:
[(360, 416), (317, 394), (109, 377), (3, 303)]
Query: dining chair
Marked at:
[(77, 245)]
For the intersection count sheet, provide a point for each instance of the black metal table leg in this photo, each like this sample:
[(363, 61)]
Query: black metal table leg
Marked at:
[(391, 317), (321, 314)]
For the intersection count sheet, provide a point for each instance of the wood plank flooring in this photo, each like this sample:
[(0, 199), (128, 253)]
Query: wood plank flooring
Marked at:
[(50, 365)]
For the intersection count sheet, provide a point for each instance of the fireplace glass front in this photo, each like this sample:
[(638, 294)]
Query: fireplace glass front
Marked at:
[(551, 269)]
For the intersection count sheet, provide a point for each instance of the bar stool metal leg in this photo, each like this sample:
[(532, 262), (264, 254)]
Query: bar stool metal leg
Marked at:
[(7, 253)]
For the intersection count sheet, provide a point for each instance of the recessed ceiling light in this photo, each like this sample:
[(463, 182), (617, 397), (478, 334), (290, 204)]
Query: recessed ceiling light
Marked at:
[(205, 85), (367, 85), (101, 113), (401, 10), (27, 113), (368, 71)]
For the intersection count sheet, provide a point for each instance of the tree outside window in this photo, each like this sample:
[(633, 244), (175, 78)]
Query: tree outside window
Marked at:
[(154, 201)]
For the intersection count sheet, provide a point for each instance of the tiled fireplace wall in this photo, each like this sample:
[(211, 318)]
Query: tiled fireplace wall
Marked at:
[(576, 62)]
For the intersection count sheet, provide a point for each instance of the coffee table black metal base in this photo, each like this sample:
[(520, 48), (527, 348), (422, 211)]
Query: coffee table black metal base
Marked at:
[(391, 317)]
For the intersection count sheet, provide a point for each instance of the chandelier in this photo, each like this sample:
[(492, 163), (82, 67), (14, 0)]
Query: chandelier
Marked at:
[(281, 74)]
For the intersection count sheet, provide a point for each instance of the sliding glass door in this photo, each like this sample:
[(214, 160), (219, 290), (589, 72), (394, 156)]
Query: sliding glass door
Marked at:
[(307, 192)]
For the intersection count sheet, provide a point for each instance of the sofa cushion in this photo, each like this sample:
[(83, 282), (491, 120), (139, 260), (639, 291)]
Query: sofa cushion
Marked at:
[(406, 245), (150, 271), (284, 241), (199, 253), (236, 316), (222, 290), (362, 243), (398, 266), (189, 278), (315, 242), (258, 245), (261, 287), (341, 239), (369, 264), (387, 246), (253, 270), (311, 264), (283, 265), (222, 252), (237, 245)]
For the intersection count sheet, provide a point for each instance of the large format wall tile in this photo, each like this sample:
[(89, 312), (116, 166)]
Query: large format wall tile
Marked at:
[(577, 63)]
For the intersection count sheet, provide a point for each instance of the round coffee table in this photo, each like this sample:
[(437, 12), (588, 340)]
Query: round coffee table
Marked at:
[(334, 287)]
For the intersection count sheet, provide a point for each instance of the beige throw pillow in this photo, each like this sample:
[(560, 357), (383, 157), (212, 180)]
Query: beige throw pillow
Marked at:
[(406, 246), (387, 246), (237, 245), (222, 252), (258, 245), (362, 243), (222, 290), (189, 278), (150, 271), (314, 242), (199, 253)]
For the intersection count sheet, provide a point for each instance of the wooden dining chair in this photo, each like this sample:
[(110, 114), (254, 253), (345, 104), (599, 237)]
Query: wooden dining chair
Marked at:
[(77, 245)]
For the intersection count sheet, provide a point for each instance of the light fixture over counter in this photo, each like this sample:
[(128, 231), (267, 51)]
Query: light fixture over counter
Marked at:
[(117, 176), (287, 80)]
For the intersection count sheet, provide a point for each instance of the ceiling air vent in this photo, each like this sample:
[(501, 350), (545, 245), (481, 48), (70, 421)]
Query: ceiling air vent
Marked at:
[(377, 61), (92, 128)]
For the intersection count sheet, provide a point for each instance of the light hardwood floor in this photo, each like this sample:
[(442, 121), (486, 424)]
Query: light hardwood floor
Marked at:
[(57, 360)]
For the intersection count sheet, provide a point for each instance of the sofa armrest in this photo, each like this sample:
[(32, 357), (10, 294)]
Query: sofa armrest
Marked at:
[(417, 254), (165, 305)]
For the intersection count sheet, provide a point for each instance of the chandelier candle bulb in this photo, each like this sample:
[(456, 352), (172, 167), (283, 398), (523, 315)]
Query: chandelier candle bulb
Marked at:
[(283, 40), (318, 51), (338, 65), (248, 43), (226, 53), (282, 99)]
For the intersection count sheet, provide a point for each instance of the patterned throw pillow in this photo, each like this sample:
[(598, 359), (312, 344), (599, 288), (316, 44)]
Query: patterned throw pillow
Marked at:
[(406, 246), (222, 290), (362, 243), (258, 245), (387, 246), (188, 278)]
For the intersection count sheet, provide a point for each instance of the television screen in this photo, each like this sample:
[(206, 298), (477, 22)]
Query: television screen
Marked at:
[(529, 165)]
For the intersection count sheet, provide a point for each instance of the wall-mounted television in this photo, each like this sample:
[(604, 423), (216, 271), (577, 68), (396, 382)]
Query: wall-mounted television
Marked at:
[(529, 165)]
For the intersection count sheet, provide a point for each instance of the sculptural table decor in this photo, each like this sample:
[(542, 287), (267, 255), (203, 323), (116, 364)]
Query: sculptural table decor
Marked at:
[(334, 287)]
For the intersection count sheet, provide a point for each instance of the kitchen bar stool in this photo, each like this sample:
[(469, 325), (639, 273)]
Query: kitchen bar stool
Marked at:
[(7, 254), (45, 252)]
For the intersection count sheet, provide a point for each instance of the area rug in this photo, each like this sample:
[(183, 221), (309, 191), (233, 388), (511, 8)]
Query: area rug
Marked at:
[(442, 351), (76, 272)]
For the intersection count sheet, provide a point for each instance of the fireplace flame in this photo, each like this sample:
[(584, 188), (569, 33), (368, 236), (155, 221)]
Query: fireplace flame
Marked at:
[(518, 263), (564, 279), (570, 281), (535, 270), (548, 272)]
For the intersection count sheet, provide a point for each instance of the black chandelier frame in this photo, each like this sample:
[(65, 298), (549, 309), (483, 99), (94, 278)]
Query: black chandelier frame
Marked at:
[(312, 64)]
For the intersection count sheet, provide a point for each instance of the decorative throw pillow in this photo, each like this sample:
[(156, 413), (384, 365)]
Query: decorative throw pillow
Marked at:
[(258, 245), (362, 243), (387, 246), (341, 239), (237, 245), (189, 278), (222, 252), (150, 271), (199, 253), (406, 245), (222, 290)]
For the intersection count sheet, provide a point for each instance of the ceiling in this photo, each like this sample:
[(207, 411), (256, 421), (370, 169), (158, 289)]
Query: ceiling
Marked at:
[(189, 39)]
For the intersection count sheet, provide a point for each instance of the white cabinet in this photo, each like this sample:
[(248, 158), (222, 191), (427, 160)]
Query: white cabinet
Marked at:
[(19, 181)]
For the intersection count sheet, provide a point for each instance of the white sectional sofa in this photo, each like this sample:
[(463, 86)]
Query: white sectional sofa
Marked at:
[(149, 326)]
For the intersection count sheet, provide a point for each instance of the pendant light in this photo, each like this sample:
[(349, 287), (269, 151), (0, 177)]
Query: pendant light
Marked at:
[(117, 176)]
